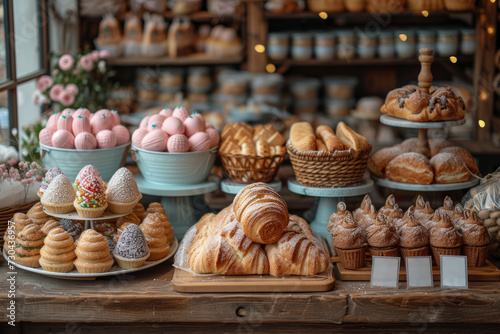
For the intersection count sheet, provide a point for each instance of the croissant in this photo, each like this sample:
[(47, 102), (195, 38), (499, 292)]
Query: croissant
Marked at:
[(221, 247), (262, 212), (297, 252)]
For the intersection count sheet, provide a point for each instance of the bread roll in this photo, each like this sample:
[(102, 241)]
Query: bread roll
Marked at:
[(320, 145), (262, 212), (302, 136), (408, 145), (448, 168), (351, 139), (378, 162), (276, 139), (332, 142), (464, 155), (248, 149), (410, 168), (436, 145), (262, 148)]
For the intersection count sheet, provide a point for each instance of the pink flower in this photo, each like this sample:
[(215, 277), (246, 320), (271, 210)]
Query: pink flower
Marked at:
[(94, 55), (72, 88), (12, 162), (44, 82), (75, 72), (2, 166), (55, 91), (86, 63), (54, 72), (38, 98), (104, 54), (5, 175), (38, 178), (66, 98), (66, 62)]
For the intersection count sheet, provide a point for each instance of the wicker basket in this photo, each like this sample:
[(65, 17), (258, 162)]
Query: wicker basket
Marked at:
[(330, 6), (246, 169), (327, 170), (7, 213)]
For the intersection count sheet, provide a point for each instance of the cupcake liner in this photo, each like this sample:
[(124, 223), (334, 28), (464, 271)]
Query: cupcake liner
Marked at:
[(387, 251), (419, 251), (117, 207), (93, 267), (476, 255), (352, 258), (437, 251), (56, 267), (126, 263), (57, 208), (90, 212)]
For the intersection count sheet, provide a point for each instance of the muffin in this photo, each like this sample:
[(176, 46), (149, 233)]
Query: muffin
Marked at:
[(37, 215), (349, 242), (90, 199), (28, 245), (368, 219), (337, 217), (122, 193), (424, 213), (476, 239), (132, 250), (458, 218), (447, 208), (58, 252), (49, 176), (74, 229), (92, 253), (445, 239), (413, 237), (59, 196), (153, 230), (120, 230), (364, 208), (382, 238), (391, 210)]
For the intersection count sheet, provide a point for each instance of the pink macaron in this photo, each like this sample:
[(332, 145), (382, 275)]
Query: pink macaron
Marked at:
[(181, 113), (63, 139), (155, 140), (199, 142), (65, 122), (45, 136), (192, 125), (178, 143), (122, 134), (80, 124), (213, 136), (85, 141), (167, 112), (105, 139), (173, 126)]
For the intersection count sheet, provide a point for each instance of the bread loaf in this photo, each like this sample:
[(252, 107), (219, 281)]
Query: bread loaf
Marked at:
[(448, 168), (410, 168), (320, 146), (332, 142), (302, 136), (378, 162), (351, 139)]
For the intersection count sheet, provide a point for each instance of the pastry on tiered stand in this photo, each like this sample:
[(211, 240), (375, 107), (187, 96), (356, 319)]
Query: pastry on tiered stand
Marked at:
[(58, 252), (131, 218), (49, 176), (50, 225), (131, 251), (391, 210), (59, 196), (28, 245), (37, 215), (92, 253), (122, 193), (140, 211), (153, 230), (74, 229), (157, 209), (90, 199), (86, 171)]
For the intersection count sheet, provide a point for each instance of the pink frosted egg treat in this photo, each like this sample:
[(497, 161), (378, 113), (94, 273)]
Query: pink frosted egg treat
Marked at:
[(105, 139), (213, 136), (138, 136), (45, 136), (80, 124), (85, 141), (208, 125), (68, 111), (199, 142), (82, 112), (115, 118), (52, 122), (167, 112), (178, 143), (173, 126), (144, 122), (198, 115), (101, 121), (65, 122), (63, 139), (192, 125), (155, 140), (122, 134), (181, 113)]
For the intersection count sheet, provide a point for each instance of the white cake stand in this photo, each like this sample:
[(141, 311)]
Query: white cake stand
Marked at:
[(232, 188), (328, 198), (182, 203), (89, 222)]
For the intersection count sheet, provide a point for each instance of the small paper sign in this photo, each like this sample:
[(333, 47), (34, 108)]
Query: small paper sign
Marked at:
[(385, 271), (419, 272), (454, 271)]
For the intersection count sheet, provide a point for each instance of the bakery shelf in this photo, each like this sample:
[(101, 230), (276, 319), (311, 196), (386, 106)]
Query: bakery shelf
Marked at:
[(200, 16), (193, 59), (425, 187)]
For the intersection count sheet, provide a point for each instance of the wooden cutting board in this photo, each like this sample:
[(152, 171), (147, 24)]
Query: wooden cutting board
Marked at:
[(184, 281), (476, 274)]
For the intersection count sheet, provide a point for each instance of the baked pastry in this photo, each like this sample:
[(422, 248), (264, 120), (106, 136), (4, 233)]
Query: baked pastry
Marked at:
[(74, 229), (302, 136), (437, 144), (448, 207), (424, 213), (330, 140), (28, 245), (351, 139), (58, 252), (157, 208), (59, 196), (139, 211), (109, 31), (50, 225), (49, 176), (131, 218), (221, 247), (378, 161), (37, 215), (458, 218), (408, 145), (448, 168), (92, 253), (413, 237), (111, 245), (296, 252), (132, 250), (122, 193), (445, 239), (20, 221), (337, 217), (463, 155), (369, 218), (107, 229), (382, 238), (363, 209), (90, 199), (409, 102), (391, 210), (86, 171), (153, 230), (350, 243), (410, 168), (262, 212), (476, 239)]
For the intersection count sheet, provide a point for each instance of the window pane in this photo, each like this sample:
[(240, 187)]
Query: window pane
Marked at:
[(4, 118), (27, 111), (3, 48), (27, 37)]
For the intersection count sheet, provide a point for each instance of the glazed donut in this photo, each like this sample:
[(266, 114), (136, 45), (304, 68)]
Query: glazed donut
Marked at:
[(92, 255), (57, 257)]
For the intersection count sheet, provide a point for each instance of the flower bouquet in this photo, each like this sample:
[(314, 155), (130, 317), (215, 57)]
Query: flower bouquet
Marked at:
[(19, 182)]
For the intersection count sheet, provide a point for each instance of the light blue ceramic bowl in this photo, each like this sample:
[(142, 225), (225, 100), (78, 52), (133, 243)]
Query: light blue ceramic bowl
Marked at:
[(71, 161), (174, 168)]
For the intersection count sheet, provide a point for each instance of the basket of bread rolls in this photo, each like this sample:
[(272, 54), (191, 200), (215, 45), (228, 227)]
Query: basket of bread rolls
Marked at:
[(325, 158), (251, 154)]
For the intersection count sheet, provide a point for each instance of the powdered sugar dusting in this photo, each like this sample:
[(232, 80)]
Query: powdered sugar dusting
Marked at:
[(122, 187), (132, 243), (59, 191)]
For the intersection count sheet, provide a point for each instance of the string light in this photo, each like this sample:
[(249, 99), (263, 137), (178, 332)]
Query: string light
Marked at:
[(270, 68), (403, 37), (425, 13), (490, 30), (453, 59), (260, 48), (493, 1), (323, 15), (483, 95), (481, 123)]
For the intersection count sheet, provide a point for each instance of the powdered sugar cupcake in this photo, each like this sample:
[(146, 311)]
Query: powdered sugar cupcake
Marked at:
[(122, 194), (59, 196), (49, 176)]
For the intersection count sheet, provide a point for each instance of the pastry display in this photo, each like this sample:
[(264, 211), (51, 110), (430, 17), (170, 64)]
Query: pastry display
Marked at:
[(132, 250), (107, 229), (410, 168), (364, 208), (59, 196), (50, 225), (382, 238), (37, 216), (58, 252), (368, 219), (391, 210), (90, 199), (448, 168), (74, 229), (49, 176), (448, 207), (423, 212), (92, 253), (445, 239), (413, 237), (153, 230), (337, 217), (159, 211), (122, 193), (139, 211), (476, 240), (27, 246), (131, 218), (350, 243)]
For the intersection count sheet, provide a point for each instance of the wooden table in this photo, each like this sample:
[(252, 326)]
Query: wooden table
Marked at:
[(145, 302)]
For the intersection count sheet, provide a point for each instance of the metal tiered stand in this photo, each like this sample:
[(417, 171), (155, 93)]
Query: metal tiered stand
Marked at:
[(89, 222), (231, 187)]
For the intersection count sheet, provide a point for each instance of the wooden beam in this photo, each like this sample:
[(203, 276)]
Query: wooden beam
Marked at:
[(257, 34)]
